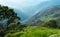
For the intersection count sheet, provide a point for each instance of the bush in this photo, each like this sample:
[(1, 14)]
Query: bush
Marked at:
[(14, 27), (51, 24)]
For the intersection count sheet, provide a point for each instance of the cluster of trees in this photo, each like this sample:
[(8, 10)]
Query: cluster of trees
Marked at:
[(52, 24), (9, 21)]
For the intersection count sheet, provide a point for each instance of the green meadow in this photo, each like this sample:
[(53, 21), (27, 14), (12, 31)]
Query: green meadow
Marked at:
[(35, 31)]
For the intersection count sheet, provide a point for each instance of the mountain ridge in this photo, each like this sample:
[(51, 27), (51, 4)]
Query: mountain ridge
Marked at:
[(49, 13)]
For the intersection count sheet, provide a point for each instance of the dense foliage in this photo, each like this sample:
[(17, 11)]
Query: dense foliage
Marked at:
[(51, 24), (9, 21)]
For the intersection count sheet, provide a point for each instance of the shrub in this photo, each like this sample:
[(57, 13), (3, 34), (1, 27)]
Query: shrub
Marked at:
[(51, 24)]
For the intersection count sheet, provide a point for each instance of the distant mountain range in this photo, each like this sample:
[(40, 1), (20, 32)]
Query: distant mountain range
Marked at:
[(49, 13), (39, 8), (34, 10), (21, 14)]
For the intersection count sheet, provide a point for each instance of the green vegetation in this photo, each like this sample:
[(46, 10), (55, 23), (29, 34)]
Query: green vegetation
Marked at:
[(51, 24), (13, 28), (35, 31), (9, 21), (47, 18)]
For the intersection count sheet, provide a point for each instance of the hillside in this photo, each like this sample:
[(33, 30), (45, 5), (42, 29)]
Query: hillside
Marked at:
[(36, 31), (21, 14), (45, 15)]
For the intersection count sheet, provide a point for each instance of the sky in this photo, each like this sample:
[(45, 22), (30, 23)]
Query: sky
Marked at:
[(22, 5)]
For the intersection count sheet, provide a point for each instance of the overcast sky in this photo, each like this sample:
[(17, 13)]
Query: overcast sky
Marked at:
[(23, 5)]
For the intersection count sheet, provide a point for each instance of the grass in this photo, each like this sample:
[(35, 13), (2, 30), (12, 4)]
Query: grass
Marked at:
[(45, 19), (35, 31)]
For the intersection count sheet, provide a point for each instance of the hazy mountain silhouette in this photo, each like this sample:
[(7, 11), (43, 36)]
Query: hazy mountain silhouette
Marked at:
[(49, 13), (21, 15)]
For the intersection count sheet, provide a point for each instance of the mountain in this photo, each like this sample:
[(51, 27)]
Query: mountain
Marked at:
[(28, 12), (49, 13), (21, 14), (39, 8)]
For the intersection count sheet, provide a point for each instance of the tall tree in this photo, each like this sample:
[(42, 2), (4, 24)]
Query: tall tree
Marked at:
[(9, 15)]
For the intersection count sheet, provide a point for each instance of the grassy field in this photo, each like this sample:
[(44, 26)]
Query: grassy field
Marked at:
[(35, 31)]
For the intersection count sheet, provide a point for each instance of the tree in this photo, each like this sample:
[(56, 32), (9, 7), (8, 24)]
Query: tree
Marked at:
[(9, 15), (2, 33), (51, 24), (12, 21), (14, 27)]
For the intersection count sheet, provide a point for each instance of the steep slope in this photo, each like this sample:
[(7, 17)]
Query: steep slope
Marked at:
[(46, 14)]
